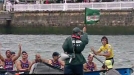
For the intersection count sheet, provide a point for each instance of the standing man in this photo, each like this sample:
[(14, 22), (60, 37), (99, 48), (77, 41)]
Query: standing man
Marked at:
[(73, 46), (9, 60)]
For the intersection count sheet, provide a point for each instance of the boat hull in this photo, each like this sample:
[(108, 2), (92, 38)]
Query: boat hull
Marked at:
[(122, 71), (40, 68)]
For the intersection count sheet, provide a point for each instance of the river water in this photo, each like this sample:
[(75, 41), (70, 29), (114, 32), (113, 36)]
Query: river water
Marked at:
[(123, 46)]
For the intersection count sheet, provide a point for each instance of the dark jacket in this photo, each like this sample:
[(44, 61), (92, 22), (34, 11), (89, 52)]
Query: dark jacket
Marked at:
[(79, 45)]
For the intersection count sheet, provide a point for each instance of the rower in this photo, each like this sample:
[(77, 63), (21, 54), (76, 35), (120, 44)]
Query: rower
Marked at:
[(13, 55), (90, 65), (38, 59), (24, 63), (9, 60), (55, 61), (1, 64), (105, 50), (109, 68)]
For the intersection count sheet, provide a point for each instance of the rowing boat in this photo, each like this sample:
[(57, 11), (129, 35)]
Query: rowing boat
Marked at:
[(122, 71), (43, 68)]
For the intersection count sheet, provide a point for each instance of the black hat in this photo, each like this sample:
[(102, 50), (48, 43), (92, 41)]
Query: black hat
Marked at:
[(12, 52), (55, 54), (24, 52), (76, 30)]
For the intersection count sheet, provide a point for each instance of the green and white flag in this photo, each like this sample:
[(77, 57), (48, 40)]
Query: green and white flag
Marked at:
[(91, 16)]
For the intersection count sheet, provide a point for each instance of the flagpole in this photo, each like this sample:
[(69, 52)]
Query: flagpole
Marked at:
[(85, 19)]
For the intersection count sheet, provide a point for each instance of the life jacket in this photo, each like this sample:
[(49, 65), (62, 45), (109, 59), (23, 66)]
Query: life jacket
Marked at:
[(24, 65), (76, 41), (56, 64), (90, 67), (76, 36), (9, 64)]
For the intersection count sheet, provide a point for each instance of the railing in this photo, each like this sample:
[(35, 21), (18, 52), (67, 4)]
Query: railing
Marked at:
[(71, 6)]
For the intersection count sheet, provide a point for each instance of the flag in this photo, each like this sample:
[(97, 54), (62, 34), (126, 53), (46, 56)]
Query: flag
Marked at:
[(92, 16)]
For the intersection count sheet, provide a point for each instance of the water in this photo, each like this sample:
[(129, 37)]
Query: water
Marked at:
[(47, 44)]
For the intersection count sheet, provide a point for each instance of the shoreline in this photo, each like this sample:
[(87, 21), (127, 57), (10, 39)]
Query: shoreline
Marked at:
[(91, 30), (112, 22)]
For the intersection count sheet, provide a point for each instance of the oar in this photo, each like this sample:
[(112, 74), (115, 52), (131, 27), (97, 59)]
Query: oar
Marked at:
[(54, 67), (3, 70), (113, 73), (98, 59)]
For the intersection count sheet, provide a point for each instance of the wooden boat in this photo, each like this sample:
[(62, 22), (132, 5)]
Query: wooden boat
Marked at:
[(122, 71), (43, 68)]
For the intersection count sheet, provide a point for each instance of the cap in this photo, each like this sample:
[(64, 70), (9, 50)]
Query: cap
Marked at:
[(76, 30), (24, 52), (90, 55), (108, 63), (12, 52), (55, 54)]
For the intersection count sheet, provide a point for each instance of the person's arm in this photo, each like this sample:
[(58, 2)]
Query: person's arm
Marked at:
[(31, 64), (62, 64), (65, 45), (106, 54), (84, 37), (95, 67), (1, 63), (96, 52), (44, 60), (50, 62), (1, 57), (28, 69), (19, 53), (18, 66), (85, 68)]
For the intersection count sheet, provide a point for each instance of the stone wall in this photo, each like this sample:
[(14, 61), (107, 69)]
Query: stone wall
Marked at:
[(71, 18)]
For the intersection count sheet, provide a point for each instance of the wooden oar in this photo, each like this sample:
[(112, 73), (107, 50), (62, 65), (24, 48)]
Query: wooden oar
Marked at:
[(113, 73), (3, 71), (54, 67), (98, 59)]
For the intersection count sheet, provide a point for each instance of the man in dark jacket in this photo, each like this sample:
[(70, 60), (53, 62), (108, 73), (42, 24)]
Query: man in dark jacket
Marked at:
[(73, 46)]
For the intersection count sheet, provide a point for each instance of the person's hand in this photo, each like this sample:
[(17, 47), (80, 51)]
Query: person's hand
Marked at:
[(19, 46), (92, 48), (27, 69), (92, 54), (100, 54), (84, 29)]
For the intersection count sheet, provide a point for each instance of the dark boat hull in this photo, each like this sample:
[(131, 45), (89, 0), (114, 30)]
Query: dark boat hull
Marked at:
[(41, 68)]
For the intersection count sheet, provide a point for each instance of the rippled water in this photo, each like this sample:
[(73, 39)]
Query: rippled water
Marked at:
[(47, 44)]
